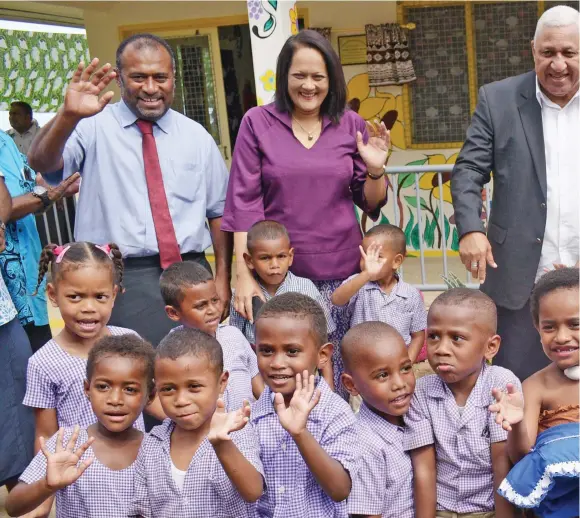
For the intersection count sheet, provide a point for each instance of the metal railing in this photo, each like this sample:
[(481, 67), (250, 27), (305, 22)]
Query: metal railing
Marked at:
[(57, 224), (393, 173)]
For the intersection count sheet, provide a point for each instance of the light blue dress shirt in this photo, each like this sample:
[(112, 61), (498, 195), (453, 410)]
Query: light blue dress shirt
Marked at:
[(19, 262), (114, 205)]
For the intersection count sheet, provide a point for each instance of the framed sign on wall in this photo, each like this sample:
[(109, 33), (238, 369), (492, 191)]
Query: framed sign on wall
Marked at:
[(352, 49)]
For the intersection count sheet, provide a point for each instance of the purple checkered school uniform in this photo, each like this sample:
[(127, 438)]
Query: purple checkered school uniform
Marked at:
[(207, 490), (462, 439), (241, 363), (403, 308), (291, 283), (291, 489), (55, 379), (384, 483), (99, 492)]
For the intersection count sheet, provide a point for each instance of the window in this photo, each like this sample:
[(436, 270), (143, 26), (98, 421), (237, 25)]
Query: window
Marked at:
[(458, 47)]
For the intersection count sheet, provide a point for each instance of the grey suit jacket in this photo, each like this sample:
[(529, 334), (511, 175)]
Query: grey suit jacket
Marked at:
[(506, 137)]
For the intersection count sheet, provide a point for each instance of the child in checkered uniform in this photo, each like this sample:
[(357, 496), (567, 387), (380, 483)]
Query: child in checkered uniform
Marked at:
[(457, 449), (307, 432), (377, 367), (191, 299), (201, 462), (91, 470)]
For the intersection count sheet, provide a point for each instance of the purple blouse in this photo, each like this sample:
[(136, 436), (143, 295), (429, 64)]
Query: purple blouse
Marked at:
[(310, 191)]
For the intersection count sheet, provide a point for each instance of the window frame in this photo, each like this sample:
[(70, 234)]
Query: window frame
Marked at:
[(402, 9)]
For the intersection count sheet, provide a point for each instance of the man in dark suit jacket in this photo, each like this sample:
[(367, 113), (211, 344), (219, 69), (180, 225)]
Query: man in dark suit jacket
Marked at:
[(511, 134)]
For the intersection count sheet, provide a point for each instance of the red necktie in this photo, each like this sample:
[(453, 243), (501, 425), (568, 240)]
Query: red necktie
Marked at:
[(166, 240)]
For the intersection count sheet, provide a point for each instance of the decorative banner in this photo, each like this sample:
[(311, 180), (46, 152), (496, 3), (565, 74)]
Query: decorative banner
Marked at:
[(37, 66), (271, 24)]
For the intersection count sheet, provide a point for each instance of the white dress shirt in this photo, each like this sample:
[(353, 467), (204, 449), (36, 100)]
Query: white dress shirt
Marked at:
[(561, 128), (24, 140)]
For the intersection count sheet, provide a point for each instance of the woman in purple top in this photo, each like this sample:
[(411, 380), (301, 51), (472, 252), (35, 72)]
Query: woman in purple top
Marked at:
[(303, 161)]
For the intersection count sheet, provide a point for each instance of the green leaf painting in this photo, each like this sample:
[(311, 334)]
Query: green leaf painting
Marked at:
[(37, 66)]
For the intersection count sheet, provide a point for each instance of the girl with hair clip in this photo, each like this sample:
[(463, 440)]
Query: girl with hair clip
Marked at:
[(85, 279)]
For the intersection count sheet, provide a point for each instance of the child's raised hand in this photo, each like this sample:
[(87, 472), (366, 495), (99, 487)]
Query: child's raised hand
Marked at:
[(62, 466), (509, 407), (373, 264), (223, 423), (294, 418)]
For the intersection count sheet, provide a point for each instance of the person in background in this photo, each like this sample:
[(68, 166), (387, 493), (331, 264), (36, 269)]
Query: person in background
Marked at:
[(17, 421), (154, 180), (19, 261), (525, 129), (24, 127)]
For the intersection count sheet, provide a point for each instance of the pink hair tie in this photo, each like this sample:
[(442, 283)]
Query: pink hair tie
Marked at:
[(59, 251), (105, 248)]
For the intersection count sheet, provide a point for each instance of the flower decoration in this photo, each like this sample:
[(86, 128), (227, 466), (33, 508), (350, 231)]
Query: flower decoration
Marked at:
[(269, 81), (294, 20), (430, 181), (255, 9)]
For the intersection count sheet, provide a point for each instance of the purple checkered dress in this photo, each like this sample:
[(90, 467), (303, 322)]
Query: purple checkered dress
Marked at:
[(100, 491), (55, 379), (462, 441), (384, 483), (403, 308), (292, 283), (292, 490), (207, 490)]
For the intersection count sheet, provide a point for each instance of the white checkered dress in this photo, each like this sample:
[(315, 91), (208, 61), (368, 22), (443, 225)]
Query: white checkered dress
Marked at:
[(55, 379), (100, 492), (207, 490), (403, 308), (462, 441), (384, 483), (292, 491), (291, 284)]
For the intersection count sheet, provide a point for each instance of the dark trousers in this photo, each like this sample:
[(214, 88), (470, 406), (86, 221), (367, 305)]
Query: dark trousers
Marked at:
[(521, 350), (38, 335)]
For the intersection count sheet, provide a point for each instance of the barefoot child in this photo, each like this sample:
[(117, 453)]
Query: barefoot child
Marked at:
[(307, 432), (458, 451), (191, 299), (378, 368), (201, 462), (545, 417), (91, 469)]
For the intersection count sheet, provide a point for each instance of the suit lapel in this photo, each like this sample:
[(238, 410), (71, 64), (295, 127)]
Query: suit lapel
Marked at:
[(531, 116)]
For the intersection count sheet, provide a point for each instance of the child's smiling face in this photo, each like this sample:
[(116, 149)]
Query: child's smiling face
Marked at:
[(559, 315)]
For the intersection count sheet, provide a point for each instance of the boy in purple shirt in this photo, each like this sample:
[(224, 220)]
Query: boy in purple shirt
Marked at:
[(458, 450), (191, 298), (91, 470), (307, 433), (377, 293), (201, 462), (378, 368)]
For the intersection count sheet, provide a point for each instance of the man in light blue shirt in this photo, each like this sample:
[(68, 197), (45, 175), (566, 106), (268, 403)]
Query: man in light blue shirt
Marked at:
[(105, 144)]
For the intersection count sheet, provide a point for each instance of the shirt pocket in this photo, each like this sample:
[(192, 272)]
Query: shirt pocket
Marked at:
[(480, 449), (183, 181)]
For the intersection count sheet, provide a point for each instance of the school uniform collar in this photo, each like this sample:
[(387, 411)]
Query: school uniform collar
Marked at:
[(401, 289), (127, 117), (265, 405), (286, 118), (478, 397), (163, 433), (388, 432), (283, 284)]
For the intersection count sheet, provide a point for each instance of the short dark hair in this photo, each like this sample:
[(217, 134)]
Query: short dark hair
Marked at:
[(394, 234), (365, 335), (335, 102), (265, 230), (474, 299), (175, 279), (191, 342), (126, 346), (561, 279), (297, 305), (25, 106), (143, 40)]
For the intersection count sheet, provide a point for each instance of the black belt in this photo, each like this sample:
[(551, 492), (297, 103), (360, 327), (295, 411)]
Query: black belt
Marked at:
[(154, 261)]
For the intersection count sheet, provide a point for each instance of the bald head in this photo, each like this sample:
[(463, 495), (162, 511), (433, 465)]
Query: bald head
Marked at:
[(361, 340), (468, 298)]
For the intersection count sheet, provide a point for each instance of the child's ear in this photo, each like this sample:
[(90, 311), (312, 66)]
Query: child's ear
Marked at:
[(398, 261), (348, 384), (223, 382), (492, 347), (51, 292), (173, 313), (324, 354), (152, 394), (115, 291), (291, 256), (248, 261), (87, 386)]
